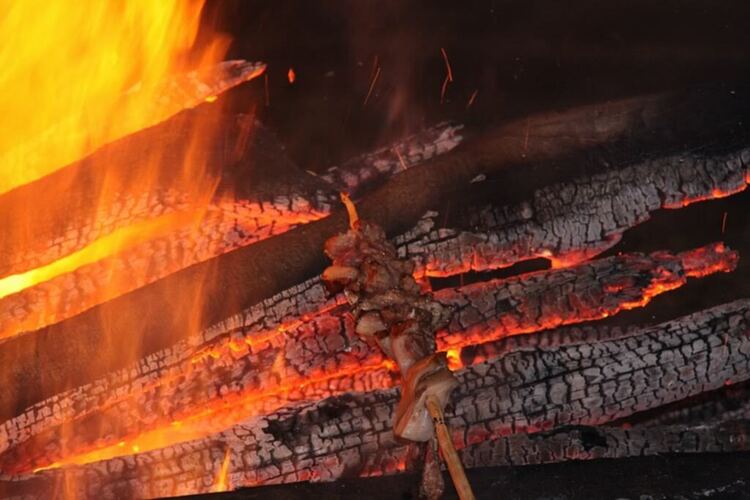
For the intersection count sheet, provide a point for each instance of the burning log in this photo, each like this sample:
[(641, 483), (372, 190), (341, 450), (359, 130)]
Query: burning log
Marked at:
[(75, 211), (522, 392), (574, 221), (274, 354), (395, 206), (391, 207), (549, 299)]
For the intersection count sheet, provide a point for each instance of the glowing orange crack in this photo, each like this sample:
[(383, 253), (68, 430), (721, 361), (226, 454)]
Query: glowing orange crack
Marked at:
[(215, 416)]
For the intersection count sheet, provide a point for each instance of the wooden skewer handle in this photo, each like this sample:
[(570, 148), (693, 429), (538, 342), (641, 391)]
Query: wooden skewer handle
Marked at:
[(455, 467), (351, 209)]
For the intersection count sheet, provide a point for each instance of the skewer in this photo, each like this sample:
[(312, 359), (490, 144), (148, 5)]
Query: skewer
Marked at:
[(351, 210), (345, 271), (455, 467)]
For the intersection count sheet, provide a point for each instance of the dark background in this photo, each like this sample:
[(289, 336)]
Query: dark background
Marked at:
[(518, 56)]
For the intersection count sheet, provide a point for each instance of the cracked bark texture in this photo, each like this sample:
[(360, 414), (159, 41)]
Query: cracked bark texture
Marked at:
[(252, 364), (731, 403), (574, 221), (525, 392), (357, 175)]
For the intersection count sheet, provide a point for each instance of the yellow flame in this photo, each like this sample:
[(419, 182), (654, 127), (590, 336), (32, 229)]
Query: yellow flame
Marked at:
[(77, 75), (222, 479), (111, 243)]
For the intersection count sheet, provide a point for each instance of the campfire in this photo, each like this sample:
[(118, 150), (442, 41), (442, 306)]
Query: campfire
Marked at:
[(183, 308)]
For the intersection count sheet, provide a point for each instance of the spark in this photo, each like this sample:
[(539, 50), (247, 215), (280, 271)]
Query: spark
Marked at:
[(448, 75), (472, 98), (372, 85), (400, 158), (291, 75), (265, 83), (442, 90), (447, 64)]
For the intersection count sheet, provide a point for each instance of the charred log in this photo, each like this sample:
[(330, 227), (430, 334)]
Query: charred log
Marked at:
[(574, 221), (355, 176)]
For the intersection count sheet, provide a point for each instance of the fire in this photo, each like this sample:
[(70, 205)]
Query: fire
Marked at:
[(291, 76), (222, 478), (224, 411), (130, 242), (454, 358), (70, 67), (77, 76), (103, 247)]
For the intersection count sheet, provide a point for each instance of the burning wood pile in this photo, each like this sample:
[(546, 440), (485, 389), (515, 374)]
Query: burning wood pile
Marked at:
[(180, 340)]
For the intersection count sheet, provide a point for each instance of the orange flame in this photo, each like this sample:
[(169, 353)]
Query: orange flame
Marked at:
[(104, 246), (222, 478), (80, 75)]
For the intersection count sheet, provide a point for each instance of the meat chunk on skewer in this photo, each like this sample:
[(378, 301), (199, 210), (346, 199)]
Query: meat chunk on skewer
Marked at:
[(391, 310)]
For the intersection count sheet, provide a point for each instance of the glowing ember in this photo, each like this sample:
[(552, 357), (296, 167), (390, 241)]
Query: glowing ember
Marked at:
[(291, 76), (226, 411), (715, 195), (454, 358)]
